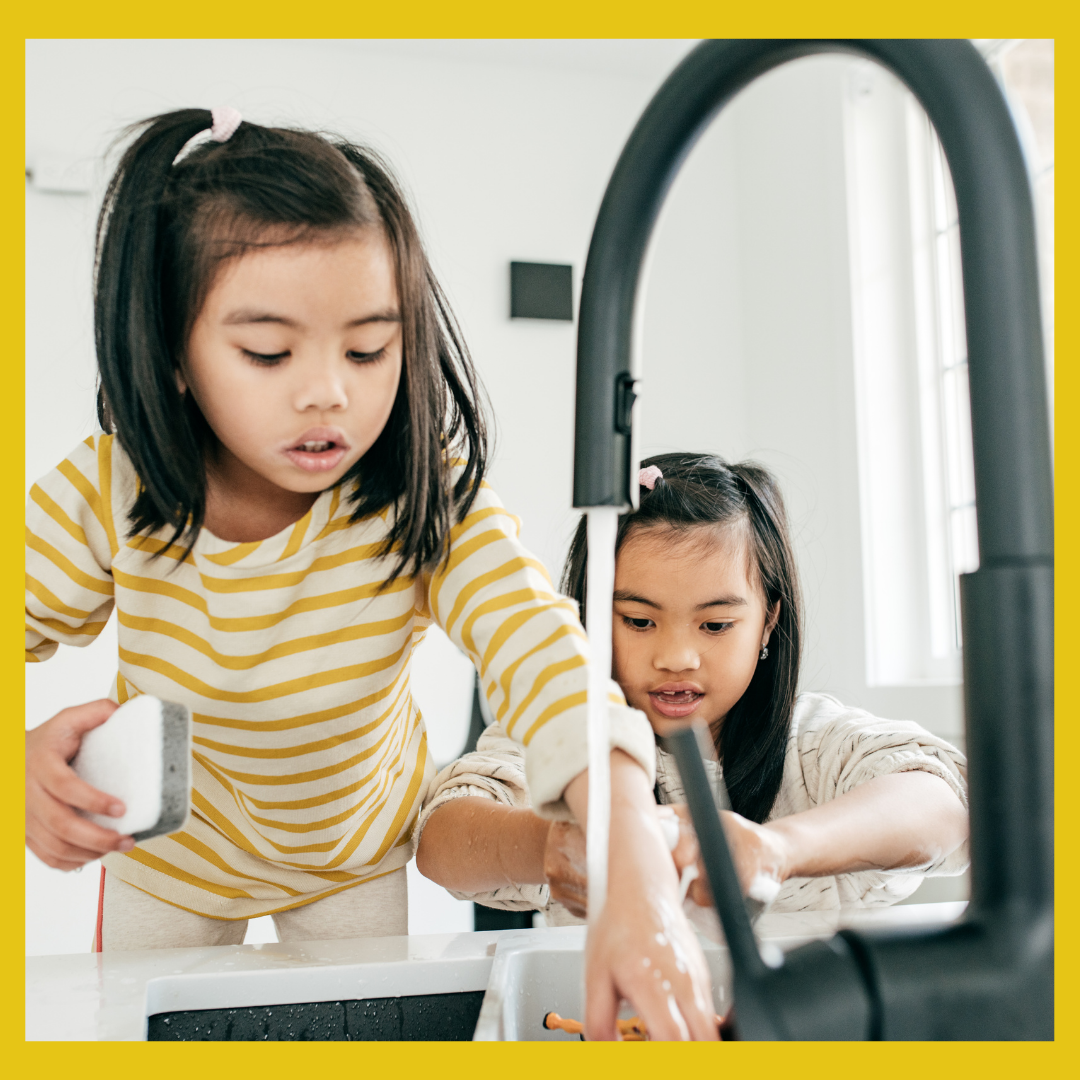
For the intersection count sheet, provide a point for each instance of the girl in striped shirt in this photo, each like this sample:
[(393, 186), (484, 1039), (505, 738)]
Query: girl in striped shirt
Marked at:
[(288, 491)]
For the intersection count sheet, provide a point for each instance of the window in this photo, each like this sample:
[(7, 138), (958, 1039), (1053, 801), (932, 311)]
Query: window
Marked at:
[(916, 478), (945, 413)]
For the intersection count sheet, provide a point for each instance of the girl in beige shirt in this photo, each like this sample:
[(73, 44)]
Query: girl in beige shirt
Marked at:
[(835, 807)]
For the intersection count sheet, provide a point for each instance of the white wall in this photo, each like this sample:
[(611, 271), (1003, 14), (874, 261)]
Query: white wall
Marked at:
[(504, 158), (506, 148)]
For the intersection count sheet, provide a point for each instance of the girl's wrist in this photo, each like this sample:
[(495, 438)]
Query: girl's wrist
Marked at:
[(792, 846), (636, 844), (636, 840)]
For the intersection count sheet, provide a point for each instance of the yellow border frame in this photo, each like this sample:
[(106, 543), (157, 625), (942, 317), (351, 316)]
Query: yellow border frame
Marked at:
[(556, 18)]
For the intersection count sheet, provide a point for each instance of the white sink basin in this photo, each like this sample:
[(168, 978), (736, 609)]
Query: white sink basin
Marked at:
[(540, 971)]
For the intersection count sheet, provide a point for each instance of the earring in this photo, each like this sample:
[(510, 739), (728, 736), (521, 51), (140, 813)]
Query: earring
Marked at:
[(764, 652)]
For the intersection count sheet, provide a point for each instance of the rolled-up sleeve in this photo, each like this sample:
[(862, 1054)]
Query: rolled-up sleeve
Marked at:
[(838, 748)]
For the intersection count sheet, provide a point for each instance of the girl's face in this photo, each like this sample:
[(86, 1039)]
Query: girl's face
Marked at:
[(689, 621), (295, 360)]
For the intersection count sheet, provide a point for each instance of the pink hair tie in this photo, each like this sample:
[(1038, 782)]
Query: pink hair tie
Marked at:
[(647, 477), (226, 121)]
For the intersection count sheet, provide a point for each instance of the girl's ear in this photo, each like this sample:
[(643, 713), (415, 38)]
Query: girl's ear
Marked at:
[(181, 382), (772, 620)]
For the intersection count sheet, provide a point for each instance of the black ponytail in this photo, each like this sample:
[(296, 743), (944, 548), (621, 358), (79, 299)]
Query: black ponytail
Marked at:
[(138, 355), (172, 214), (702, 489)]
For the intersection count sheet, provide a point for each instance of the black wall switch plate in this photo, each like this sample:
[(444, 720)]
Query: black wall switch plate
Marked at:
[(541, 291)]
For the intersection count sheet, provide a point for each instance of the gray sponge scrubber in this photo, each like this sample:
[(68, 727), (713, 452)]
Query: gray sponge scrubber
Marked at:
[(141, 755)]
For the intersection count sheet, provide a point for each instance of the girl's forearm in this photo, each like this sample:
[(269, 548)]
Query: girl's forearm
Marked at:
[(630, 790), (908, 819), (473, 844)]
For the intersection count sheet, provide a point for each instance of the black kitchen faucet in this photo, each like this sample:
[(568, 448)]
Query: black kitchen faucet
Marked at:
[(990, 976)]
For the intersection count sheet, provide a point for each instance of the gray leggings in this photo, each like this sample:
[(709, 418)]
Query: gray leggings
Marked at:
[(132, 919)]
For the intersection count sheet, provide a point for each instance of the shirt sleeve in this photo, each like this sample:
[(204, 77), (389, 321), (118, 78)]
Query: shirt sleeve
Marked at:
[(70, 542), (838, 748), (496, 602)]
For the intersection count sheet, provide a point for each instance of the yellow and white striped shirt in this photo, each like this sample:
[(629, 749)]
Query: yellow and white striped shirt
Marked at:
[(310, 758)]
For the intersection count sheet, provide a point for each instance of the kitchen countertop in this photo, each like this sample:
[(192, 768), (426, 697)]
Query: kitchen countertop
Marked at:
[(108, 996)]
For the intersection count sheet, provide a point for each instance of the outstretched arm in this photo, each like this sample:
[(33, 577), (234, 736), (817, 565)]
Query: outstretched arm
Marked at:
[(477, 845), (892, 822)]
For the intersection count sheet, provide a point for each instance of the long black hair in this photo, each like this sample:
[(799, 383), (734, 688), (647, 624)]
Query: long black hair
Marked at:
[(170, 219), (702, 489)]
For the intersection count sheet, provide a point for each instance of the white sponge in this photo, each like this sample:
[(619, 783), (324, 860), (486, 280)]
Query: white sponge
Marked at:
[(142, 755)]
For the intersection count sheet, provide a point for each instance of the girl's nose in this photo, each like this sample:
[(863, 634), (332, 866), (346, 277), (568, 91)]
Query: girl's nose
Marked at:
[(321, 388), (675, 653)]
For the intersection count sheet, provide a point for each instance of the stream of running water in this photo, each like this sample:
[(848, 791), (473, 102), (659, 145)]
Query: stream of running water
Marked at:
[(603, 524)]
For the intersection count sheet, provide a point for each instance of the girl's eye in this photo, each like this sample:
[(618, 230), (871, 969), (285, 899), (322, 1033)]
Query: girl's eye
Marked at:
[(716, 627), (265, 359), (366, 357), (636, 624)]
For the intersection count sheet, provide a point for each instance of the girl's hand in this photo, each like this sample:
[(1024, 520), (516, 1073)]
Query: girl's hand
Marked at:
[(55, 833), (755, 850), (685, 852), (642, 949), (565, 869), (564, 866), (899, 820)]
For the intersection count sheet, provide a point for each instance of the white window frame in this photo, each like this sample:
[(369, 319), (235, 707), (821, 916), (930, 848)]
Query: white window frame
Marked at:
[(910, 385), (916, 477)]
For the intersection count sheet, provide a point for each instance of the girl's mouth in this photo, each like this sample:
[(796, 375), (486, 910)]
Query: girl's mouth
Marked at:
[(317, 451), (675, 703)]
